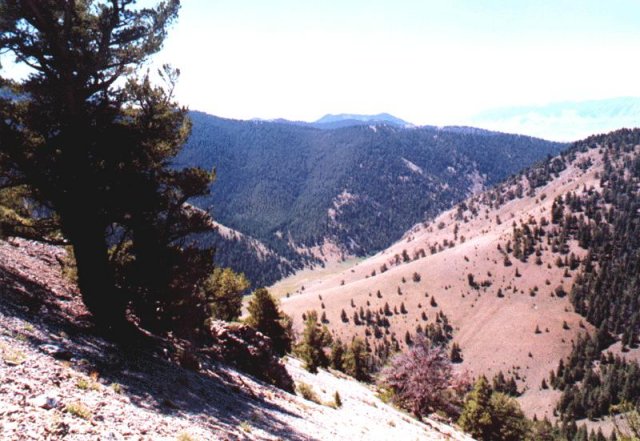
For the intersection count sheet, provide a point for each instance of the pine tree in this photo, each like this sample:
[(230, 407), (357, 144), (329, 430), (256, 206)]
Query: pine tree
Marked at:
[(225, 288), (266, 317), (356, 359), (407, 338), (108, 180), (543, 431), (314, 340), (456, 353), (476, 415), (337, 355), (508, 421), (492, 416)]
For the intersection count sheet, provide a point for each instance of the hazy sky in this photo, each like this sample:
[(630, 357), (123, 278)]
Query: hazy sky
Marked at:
[(429, 62)]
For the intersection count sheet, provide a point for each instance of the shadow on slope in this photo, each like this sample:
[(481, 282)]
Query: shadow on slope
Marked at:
[(44, 310)]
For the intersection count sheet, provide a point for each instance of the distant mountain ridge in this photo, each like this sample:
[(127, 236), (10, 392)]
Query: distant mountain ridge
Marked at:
[(341, 120), (564, 121)]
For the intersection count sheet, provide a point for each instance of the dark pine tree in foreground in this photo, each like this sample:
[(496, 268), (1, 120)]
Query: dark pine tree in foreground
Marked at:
[(88, 143)]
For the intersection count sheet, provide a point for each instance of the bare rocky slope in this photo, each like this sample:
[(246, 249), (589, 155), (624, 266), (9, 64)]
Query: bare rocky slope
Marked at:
[(59, 380), (507, 313)]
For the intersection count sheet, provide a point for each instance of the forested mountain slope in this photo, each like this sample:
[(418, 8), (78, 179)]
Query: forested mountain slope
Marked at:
[(513, 275), (359, 187), (249, 256)]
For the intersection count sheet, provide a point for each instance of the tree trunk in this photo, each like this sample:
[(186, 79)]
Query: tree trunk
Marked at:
[(95, 276)]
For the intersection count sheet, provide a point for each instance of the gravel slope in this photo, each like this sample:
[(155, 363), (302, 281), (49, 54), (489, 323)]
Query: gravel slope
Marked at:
[(58, 380)]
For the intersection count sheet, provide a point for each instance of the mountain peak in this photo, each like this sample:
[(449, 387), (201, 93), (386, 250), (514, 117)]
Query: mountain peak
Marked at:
[(349, 119)]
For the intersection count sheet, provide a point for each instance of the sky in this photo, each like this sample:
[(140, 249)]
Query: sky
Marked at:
[(428, 62)]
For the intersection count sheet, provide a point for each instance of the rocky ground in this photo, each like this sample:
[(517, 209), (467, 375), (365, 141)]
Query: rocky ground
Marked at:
[(59, 380)]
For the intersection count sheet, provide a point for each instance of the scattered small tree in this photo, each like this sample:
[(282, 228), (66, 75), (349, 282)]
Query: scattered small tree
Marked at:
[(471, 281), (407, 338), (456, 353)]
